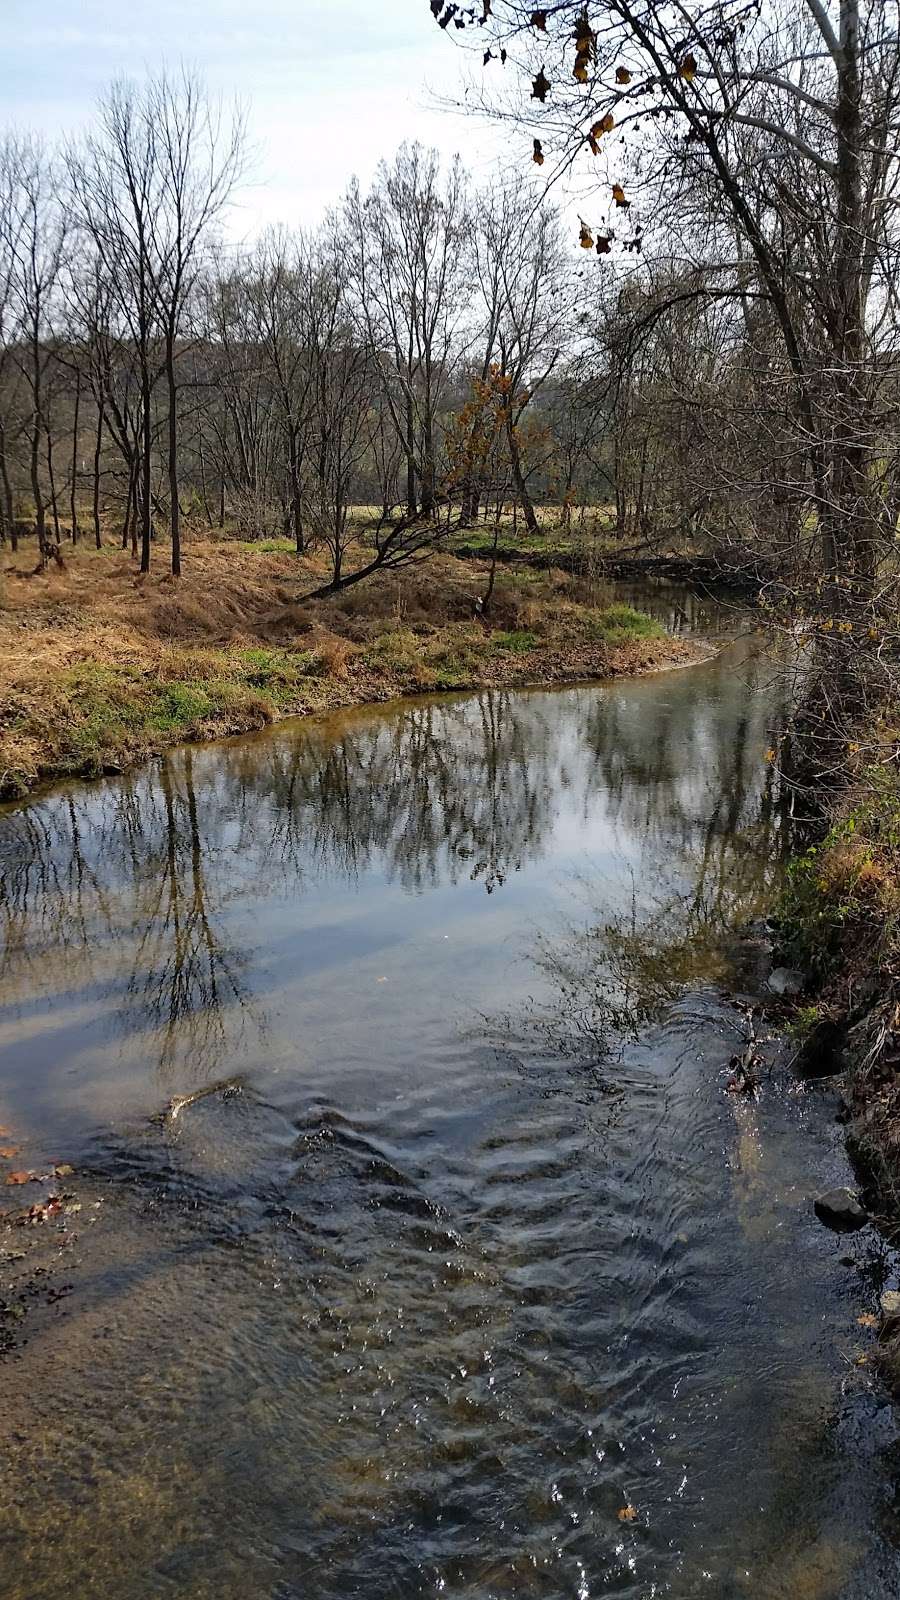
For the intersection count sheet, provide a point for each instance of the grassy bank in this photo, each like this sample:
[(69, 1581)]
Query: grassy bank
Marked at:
[(102, 668)]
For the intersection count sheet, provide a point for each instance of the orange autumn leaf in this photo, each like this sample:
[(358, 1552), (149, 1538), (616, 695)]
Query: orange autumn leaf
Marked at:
[(8, 1151), (627, 1514), (15, 1178), (586, 238)]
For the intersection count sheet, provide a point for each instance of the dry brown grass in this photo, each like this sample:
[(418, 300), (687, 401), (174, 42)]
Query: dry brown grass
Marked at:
[(102, 666)]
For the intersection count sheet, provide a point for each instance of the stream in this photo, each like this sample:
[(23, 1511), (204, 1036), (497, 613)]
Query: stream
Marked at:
[(422, 1250)]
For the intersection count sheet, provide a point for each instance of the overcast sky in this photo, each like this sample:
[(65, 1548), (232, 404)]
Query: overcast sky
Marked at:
[(329, 85)]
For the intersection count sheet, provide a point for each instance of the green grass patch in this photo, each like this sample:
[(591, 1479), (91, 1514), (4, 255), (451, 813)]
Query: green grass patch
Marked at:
[(517, 640), (179, 706), (103, 713), (396, 650), (617, 624), (267, 547), (278, 673)]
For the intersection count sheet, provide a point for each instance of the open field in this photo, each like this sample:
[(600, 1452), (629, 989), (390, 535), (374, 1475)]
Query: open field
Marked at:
[(102, 667)]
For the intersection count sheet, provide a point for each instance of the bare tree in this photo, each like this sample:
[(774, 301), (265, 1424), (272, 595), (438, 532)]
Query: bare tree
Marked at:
[(528, 296), (35, 231), (405, 246), (200, 155), (146, 187), (776, 129)]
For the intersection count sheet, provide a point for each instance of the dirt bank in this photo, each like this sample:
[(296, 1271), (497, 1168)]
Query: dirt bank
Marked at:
[(841, 925)]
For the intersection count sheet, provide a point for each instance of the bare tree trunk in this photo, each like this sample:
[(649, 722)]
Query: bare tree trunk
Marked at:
[(411, 504), (174, 507), (129, 526), (296, 496), (73, 498), (98, 448), (146, 495), (6, 494), (531, 521), (428, 469), (51, 477), (45, 549), (853, 536), (207, 509)]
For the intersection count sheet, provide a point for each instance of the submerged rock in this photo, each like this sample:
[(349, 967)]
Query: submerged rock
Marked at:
[(787, 982), (840, 1208)]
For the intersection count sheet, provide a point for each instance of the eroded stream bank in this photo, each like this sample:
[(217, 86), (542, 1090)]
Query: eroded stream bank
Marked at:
[(473, 1252)]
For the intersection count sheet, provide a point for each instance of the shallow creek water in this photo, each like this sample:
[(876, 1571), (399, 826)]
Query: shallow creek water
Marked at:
[(470, 1250)]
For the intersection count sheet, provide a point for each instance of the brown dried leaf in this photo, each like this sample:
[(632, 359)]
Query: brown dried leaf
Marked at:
[(688, 68), (623, 75), (538, 156), (867, 1320), (627, 1514), (14, 1178), (539, 20), (9, 1150), (540, 88)]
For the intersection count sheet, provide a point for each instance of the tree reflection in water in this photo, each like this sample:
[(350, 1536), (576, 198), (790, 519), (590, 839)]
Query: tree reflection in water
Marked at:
[(150, 897)]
